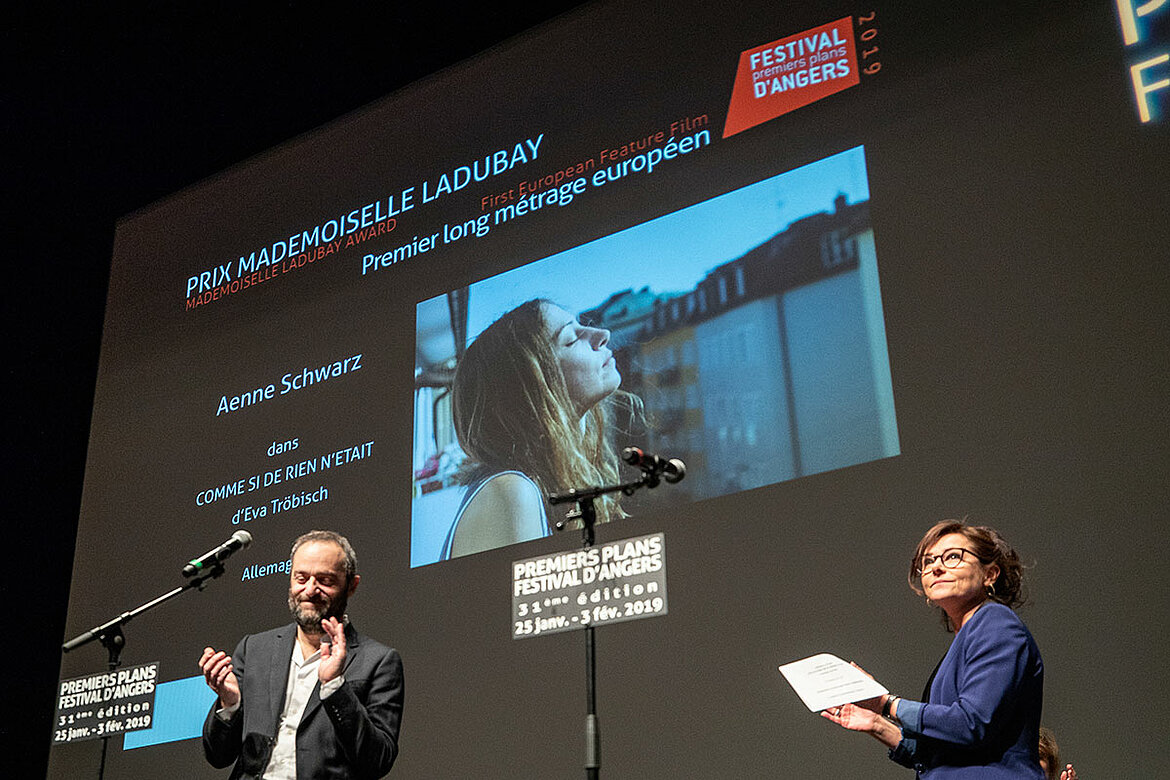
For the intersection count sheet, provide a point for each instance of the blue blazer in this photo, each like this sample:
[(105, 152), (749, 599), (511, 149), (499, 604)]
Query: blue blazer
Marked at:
[(352, 734), (982, 718)]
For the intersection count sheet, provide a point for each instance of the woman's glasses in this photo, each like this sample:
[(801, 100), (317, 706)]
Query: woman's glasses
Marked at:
[(950, 559)]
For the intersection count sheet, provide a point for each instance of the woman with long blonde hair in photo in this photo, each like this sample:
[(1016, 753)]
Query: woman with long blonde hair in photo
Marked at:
[(533, 400)]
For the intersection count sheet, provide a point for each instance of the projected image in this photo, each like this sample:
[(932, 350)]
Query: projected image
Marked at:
[(743, 335)]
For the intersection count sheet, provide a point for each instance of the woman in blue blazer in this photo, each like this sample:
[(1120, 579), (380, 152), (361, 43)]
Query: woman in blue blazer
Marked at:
[(980, 714)]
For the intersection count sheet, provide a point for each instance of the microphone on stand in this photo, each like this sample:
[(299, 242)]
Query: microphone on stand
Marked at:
[(672, 470), (238, 541)]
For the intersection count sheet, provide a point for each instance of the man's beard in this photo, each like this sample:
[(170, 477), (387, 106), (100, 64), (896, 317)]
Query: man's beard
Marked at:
[(309, 615)]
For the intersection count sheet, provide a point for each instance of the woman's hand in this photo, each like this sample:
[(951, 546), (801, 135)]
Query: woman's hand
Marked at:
[(875, 704), (858, 718), (1068, 773), (854, 717)]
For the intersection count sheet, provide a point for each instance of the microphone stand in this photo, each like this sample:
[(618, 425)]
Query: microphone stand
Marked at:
[(587, 514), (111, 637)]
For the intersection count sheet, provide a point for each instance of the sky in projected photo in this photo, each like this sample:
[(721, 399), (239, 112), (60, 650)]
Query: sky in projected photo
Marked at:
[(673, 252)]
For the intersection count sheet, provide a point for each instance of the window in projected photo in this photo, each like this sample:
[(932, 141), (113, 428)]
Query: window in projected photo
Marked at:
[(750, 326)]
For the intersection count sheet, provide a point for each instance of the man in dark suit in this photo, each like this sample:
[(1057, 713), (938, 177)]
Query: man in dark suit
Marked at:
[(314, 699)]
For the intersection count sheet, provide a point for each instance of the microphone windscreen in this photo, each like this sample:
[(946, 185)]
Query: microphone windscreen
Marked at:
[(632, 455)]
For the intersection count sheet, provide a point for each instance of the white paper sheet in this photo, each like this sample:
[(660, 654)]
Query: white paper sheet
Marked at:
[(824, 680)]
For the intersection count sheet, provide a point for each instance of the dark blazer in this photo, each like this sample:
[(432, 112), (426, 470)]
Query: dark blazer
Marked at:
[(982, 717), (352, 734)]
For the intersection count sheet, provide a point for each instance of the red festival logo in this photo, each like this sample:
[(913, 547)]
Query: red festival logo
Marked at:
[(784, 75)]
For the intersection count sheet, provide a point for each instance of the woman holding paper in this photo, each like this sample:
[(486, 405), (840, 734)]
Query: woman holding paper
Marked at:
[(980, 717)]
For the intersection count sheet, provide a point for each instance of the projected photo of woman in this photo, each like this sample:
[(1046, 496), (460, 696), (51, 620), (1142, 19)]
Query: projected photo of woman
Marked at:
[(979, 716), (531, 403), (749, 325)]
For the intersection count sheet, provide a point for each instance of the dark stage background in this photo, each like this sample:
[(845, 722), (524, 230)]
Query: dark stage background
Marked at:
[(105, 110), (1029, 375)]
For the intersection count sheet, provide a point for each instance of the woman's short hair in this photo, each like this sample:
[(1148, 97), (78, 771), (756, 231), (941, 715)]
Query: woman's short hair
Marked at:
[(989, 547)]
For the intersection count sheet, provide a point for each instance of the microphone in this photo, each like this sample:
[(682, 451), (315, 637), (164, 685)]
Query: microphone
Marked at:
[(212, 558), (672, 470)]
